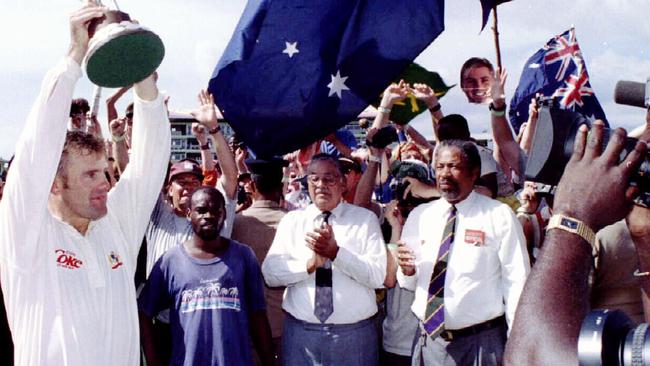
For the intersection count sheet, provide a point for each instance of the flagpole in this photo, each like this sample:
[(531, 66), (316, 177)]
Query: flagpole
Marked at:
[(495, 30)]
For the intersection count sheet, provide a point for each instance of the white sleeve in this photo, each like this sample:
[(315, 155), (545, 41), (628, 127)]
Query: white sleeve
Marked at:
[(513, 255), (280, 267), (135, 195), (23, 208), (368, 266)]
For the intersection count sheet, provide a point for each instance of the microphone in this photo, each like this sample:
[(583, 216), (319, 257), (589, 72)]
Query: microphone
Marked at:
[(632, 93)]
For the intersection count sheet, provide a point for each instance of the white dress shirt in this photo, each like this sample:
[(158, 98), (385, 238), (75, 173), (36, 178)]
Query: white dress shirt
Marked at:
[(359, 266), (484, 276), (70, 297)]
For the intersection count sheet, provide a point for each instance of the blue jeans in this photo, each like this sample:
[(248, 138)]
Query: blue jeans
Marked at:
[(329, 344)]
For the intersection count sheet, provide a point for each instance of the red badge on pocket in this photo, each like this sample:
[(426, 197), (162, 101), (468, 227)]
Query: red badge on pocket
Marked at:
[(475, 237)]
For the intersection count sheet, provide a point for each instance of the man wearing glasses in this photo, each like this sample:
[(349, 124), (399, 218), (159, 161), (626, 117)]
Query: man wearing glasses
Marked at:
[(331, 257)]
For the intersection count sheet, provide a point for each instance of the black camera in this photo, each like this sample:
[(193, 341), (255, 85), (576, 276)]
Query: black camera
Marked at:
[(400, 170), (384, 137), (552, 147), (610, 338)]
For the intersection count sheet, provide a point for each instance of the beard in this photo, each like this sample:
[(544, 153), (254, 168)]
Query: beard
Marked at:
[(207, 233)]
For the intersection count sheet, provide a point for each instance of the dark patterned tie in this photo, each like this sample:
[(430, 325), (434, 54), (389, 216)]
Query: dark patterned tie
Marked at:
[(323, 300), (434, 316)]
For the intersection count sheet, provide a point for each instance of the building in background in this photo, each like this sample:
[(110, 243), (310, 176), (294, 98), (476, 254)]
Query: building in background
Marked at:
[(184, 145)]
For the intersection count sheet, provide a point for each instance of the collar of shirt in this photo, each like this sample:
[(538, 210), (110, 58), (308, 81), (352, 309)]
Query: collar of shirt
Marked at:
[(337, 212), (464, 205), (265, 204)]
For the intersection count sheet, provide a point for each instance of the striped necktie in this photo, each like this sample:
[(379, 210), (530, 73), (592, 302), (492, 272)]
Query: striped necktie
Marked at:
[(323, 299), (435, 312)]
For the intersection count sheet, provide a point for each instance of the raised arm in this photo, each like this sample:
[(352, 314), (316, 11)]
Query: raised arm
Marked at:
[(38, 150), (133, 198), (424, 93), (527, 135), (366, 185), (393, 93), (206, 114), (500, 127), (120, 148), (555, 298), (201, 134), (112, 100)]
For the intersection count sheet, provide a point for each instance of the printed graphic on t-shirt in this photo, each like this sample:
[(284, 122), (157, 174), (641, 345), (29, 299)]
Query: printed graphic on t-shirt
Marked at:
[(210, 295), (67, 259)]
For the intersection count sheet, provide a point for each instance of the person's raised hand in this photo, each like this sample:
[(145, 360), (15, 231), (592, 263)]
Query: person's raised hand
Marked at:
[(117, 127), (533, 109), (79, 21), (370, 134), (394, 93), (497, 89), (595, 186), (424, 93), (206, 114), (199, 131)]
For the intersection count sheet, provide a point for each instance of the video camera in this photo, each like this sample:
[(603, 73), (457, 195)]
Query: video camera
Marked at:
[(400, 170), (553, 142), (610, 338)]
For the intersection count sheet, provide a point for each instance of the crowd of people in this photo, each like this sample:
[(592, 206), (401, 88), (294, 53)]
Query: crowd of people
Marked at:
[(402, 251)]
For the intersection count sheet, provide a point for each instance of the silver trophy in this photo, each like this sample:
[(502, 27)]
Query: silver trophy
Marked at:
[(121, 52)]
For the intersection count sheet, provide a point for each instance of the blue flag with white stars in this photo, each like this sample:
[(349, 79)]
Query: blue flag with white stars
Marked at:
[(297, 70), (557, 70)]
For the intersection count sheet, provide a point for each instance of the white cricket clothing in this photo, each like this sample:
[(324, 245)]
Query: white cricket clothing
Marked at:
[(70, 298)]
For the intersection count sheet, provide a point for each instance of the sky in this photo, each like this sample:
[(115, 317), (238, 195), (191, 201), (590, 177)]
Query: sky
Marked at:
[(613, 36)]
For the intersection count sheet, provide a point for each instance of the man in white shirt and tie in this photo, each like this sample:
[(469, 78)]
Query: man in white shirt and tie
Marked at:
[(465, 257), (331, 257)]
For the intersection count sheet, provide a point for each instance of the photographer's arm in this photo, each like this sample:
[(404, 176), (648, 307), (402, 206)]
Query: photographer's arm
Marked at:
[(555, 298)]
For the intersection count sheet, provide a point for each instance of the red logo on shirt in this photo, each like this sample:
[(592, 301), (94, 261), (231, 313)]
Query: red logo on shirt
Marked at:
[(67, 259), (475, 237)]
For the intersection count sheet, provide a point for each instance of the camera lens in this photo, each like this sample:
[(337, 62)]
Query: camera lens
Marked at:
[(610, 338)]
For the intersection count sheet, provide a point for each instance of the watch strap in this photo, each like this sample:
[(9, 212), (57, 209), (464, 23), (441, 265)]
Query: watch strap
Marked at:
[(575, 226)]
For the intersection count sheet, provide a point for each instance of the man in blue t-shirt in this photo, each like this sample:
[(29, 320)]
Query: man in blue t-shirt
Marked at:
[(214, 289)]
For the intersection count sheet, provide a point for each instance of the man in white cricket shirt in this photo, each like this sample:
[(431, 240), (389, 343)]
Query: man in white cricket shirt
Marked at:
[(68, 246)]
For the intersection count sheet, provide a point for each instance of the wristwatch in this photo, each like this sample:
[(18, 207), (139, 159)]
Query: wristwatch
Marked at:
[(575, 226)]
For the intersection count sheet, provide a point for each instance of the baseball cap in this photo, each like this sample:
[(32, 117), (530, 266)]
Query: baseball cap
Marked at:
[(190, 166)]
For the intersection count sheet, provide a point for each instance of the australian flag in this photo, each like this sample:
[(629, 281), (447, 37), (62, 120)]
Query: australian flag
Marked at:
[(558, 71), (297, 70)]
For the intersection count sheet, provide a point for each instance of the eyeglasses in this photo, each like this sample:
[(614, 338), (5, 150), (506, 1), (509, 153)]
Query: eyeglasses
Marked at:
[(328, 180)]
